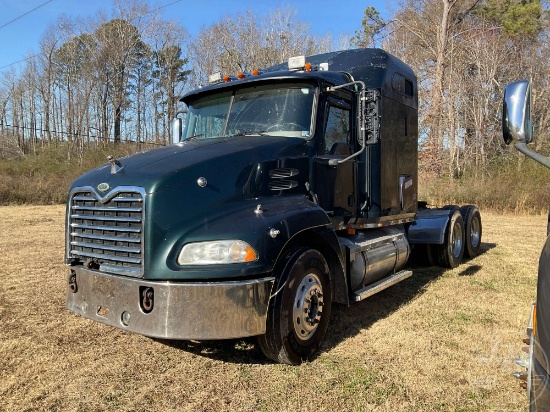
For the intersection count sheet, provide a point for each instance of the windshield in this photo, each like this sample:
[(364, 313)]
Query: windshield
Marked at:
[(283, 111)]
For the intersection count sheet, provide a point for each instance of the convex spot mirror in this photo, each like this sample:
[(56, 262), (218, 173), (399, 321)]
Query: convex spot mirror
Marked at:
[(516, 113), (177, 127)]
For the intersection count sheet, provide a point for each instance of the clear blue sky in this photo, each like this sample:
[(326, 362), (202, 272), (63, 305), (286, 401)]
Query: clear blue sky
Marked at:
[(20, 38)]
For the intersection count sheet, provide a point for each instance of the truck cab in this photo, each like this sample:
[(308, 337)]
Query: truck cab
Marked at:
[(286, 189)]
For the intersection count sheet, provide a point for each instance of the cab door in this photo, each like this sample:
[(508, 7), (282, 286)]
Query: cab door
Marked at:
[(335, 185)]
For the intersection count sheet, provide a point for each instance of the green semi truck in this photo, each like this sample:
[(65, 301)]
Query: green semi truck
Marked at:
[(285, 190)]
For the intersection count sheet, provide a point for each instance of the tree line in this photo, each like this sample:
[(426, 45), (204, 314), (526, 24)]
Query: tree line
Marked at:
[(464, 52), (118, 78)]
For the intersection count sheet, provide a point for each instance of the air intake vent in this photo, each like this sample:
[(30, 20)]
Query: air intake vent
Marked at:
[(283, 173), (109, 233), (282, 184)]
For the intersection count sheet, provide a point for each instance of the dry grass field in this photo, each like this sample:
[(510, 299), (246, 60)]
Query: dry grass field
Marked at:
[(443, 340)]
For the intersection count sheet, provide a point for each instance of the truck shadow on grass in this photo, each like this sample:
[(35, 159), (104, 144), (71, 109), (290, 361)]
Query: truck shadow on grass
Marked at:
[(345, 321)]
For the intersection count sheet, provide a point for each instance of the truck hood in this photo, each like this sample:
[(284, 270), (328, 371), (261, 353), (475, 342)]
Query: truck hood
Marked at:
[(158, 169)]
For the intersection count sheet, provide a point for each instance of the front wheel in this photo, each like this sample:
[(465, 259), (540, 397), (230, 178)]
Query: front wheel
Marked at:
[(298, 314)]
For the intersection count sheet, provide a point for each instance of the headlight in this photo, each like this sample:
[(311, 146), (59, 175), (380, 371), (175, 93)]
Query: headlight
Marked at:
[(217, 252)]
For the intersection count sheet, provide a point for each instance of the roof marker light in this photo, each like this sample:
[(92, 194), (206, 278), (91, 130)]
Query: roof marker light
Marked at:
[(215, 78), (308, 67), (240, 75), (226, 78), (255, 72), (297, 62)]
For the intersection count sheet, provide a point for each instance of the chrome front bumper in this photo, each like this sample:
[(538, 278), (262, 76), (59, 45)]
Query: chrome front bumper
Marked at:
[(198, 310)]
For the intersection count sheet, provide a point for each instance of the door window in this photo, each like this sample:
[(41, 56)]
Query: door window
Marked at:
[(337, 131)]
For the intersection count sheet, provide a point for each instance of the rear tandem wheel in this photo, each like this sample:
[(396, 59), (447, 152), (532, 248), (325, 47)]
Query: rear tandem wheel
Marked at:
[(472, 230), (450, 253)]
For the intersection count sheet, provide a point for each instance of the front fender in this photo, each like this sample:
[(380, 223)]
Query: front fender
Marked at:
[(287, 215)]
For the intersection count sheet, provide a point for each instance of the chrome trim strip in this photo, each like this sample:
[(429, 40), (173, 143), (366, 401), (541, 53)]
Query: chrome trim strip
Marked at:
[(283, 173), (107, 218), (120, 270), (108, 238), (109, 209), (282, 184), (382, 284), (106, 257), (106, 247), (110, 228), (194, 310), (115, 199)]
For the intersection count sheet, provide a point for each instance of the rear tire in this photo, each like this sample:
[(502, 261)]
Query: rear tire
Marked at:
[(450, 253), (451, 207), (298, 315), (472, 229), (423, 255)]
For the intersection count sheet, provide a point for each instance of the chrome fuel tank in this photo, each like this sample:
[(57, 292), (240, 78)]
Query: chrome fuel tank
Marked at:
[(374, 254)]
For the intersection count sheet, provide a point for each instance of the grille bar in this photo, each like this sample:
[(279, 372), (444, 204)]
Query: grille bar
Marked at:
[(114, 199), (107, 218), (104, 247), (105, 238), (108, 209), (111, 228), (107, 230), (104, 256)]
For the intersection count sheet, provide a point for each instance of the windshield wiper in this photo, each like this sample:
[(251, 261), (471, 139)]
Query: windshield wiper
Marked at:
[(259, 132), (194, 137)]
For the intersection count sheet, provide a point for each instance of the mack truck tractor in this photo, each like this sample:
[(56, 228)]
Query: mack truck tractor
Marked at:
[(285, 190)]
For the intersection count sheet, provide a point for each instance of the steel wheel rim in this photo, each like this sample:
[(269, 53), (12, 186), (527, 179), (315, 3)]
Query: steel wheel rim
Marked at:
[(307, 309), (457, 239), (475, 232)]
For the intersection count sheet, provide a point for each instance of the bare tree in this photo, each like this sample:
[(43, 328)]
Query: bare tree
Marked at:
[(244, 42)]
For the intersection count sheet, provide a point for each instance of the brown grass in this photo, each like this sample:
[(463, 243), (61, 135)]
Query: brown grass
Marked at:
[(439, 341)]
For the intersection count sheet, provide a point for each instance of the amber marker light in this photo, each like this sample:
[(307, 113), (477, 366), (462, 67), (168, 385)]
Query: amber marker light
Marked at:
[(250, 255), (255, 72), (240, 75), (308, 67), (226, 78)]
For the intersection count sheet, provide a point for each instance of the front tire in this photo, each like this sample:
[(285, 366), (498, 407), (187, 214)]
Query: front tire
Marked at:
[(298, 315)]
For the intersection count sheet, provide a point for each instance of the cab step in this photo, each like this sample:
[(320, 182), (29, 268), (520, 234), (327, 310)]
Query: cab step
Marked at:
[(382, 284)]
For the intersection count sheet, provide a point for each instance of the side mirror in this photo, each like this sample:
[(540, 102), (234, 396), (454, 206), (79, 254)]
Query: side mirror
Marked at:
[(516, 113), (516, 120), (177, 129)]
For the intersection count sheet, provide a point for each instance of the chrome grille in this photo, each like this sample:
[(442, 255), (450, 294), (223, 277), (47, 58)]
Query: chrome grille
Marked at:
[(107, 233)]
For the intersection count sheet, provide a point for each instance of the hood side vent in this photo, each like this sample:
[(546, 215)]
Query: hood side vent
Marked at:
[(283, 173), (282, 184)]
